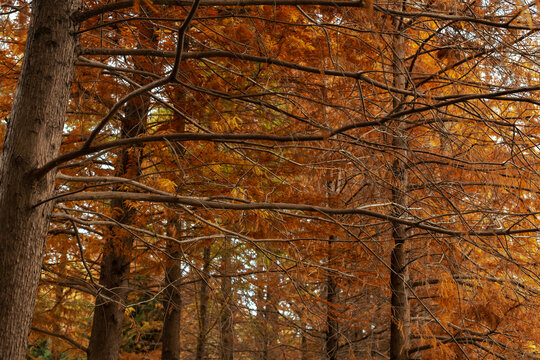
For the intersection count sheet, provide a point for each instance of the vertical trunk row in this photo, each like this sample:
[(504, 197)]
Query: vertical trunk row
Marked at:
[(200, 353), (226, 318), (331, 339), (33, 138), (400, 311)]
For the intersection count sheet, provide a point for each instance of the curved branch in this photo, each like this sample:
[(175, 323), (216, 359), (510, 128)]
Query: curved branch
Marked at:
[(60, 336), (210, 203), (87, 14)]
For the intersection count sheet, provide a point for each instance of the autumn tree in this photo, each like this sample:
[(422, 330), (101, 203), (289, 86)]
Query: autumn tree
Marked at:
[(314, 179)]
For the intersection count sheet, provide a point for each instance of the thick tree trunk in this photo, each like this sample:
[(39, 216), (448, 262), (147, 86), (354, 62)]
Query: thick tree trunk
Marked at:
[(331, 339), (33, 138), (200, 354), (400, 310), (226, 318)]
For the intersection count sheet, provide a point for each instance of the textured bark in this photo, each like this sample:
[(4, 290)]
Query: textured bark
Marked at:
[(200, 354), (303, 341), (400, 310), (33, 138), (331, 339), (226, 318), (106, 335), (268, 318), (172, 305)]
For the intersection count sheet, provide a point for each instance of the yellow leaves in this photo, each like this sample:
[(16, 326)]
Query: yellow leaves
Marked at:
[(239, 193), (525, 11), (130, 310), (258, 171), (234, 122), (167, 185)]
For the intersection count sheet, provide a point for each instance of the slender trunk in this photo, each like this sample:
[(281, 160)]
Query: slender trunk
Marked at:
[(33, 138), (267, 314), (106, 335), (200, 354), (271, 316), (303, 340), (261, 339), (226, 319), (172, 305), (400, 310), (331, 339)]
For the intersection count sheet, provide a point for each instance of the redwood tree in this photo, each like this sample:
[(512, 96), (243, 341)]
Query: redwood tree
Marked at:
[(33, 137)]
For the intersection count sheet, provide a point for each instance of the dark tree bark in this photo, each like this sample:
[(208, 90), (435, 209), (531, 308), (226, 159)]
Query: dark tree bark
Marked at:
[(267, 315), (33, 138), (200, 353), (331, 339), (303, 341), (172, 306), (226, 318), (400, 310), (106, 335)]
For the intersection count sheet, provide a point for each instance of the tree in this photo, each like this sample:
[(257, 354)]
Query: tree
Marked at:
[(33, 137), (404, 132)]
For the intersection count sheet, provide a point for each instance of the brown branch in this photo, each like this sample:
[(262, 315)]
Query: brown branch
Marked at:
[(60, 336), (119, 104), (87, 14), (246, 57), (446, 99), (452, 17), (180, 39), (174, 137), (222, 205)]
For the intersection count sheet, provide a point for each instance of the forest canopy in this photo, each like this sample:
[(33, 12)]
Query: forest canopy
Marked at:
[(269, 179)]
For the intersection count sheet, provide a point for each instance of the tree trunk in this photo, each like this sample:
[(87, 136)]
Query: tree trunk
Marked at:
[(172, 305), (200, 354), (400, 310), (226, 318), (267, 319), (331, 340), (303, 340), (271, 316), (33, 138), (106, 335)]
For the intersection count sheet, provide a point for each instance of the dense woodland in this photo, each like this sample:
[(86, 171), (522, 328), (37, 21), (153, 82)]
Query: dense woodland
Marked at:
[(269, 179)]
